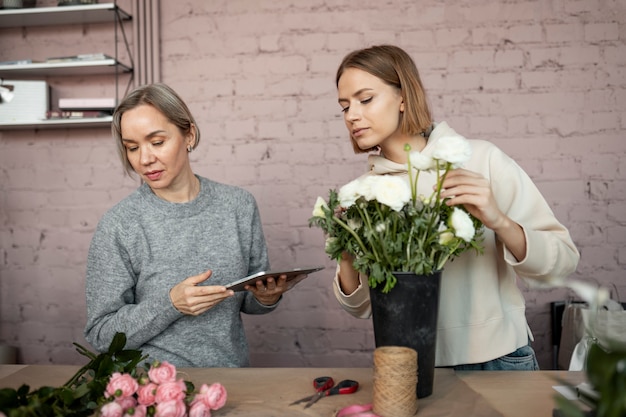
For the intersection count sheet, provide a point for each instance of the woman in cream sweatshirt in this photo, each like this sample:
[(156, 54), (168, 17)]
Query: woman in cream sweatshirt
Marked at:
[(482, 322)]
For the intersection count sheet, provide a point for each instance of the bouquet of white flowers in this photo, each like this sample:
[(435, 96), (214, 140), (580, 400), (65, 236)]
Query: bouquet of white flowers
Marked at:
[(387, 227)]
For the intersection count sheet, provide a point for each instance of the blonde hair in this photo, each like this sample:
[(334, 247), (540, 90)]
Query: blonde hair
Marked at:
[(164, 99), (395, 67)]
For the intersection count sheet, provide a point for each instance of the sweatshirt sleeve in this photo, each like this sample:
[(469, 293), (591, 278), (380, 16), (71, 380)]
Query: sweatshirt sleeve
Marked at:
[(550, 251), (110, 294), (357, 303)]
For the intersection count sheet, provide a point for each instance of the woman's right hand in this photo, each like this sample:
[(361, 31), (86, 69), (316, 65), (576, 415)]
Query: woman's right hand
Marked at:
[(349, 279), (191, 299)]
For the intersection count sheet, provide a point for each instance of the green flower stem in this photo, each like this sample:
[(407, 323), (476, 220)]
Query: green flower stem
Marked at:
[(345, 226), (365, 215), (412, 184), (408, 248), (380, 240), (436, 196), (444, 259)]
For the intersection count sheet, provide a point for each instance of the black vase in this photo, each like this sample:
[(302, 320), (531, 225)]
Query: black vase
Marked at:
[(407, 316)]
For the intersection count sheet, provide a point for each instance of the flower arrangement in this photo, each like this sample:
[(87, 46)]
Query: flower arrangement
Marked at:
[(114, 384), (382, 222)]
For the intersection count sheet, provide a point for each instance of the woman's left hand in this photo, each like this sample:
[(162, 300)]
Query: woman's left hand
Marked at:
[(269, 292), (472, 190)]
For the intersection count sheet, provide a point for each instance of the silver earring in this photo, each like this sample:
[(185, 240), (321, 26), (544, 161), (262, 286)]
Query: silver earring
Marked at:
[(189, 148)]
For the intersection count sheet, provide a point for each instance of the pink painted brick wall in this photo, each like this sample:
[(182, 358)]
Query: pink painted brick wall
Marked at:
[(544, 80)]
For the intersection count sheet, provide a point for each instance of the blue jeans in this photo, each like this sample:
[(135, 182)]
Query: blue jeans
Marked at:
[(523, 359)]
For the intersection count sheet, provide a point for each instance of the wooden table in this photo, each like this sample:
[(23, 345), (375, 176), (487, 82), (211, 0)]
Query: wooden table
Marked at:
[(266, 392)]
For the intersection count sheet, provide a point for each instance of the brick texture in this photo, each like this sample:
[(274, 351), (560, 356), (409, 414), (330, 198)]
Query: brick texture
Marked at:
[(544, 80)]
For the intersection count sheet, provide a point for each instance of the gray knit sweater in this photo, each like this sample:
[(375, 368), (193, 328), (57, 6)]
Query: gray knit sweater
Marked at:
[(144, 245)]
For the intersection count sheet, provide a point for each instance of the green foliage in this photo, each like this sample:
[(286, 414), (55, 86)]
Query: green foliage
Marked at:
[(606, 372), (82, 394)]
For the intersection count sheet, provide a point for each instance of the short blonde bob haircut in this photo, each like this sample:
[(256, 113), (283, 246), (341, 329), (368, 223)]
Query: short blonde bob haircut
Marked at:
[(164, 99), (396, 68)]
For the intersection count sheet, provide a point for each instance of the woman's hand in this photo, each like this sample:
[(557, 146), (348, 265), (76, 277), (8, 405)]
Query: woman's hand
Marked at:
[(473, 191), (191, 299), (268, 293)]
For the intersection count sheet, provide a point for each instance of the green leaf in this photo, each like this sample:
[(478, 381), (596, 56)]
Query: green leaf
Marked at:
[(8, 399), (118, 343)]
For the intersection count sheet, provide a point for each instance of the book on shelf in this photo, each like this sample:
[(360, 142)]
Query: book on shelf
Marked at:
[(59, 114)]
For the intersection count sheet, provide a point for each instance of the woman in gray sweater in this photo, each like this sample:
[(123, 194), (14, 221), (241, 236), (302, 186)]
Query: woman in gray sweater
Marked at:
[(160, 259)]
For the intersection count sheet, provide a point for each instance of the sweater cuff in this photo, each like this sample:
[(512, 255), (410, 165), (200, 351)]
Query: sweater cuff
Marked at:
[(510, 258), (357, 303)]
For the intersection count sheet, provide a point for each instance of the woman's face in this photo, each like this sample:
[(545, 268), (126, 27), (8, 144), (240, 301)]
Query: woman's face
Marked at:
[(371, 108), (156, 149)]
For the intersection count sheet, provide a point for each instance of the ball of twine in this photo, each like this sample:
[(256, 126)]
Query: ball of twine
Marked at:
[(395, 380)]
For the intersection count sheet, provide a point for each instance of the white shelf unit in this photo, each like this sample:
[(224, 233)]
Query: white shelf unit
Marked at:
[(102, 66), (59, 123), (67, 15), (61, 15)]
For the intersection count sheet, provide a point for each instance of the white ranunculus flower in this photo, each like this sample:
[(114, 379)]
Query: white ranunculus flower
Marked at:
[(365, 187), (318, 209), (454, 149), (380, 227), (445, 236), (421, 161), (349, 193), (462, 224), (391, 191)]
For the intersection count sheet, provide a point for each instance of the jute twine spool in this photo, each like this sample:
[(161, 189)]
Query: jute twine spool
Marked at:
[(395, 379)]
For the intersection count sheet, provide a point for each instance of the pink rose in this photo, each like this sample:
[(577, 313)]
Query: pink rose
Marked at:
[(111, 409), (146, 394), (138, 411), (126, 402), (121, 385), (199, 409), (213, 396), (162, 372), (172, 408), (170, 391)]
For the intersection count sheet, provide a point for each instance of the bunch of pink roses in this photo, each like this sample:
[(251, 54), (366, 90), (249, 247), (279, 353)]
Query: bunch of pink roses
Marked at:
[(159, 393)]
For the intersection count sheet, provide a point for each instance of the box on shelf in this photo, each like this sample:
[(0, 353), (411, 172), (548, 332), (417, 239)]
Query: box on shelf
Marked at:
[(82, 104), (30, 102)]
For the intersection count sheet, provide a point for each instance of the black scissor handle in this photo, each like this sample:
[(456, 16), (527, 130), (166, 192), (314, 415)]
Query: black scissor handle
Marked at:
[(347, 386), (323, 383)]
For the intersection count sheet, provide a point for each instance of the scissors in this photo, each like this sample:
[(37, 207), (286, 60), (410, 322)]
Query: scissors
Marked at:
[(325, 386)]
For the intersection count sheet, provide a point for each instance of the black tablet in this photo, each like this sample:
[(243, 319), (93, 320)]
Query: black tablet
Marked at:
[(294, 276)]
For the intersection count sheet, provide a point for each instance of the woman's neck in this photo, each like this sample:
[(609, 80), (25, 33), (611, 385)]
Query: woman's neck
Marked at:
[(182, 192), (393, 148)]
